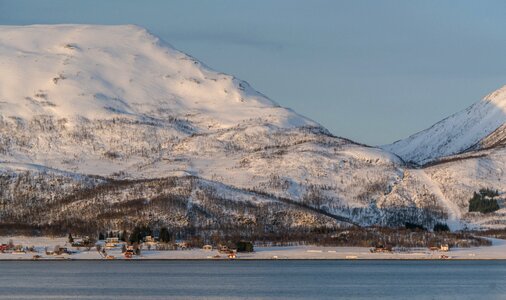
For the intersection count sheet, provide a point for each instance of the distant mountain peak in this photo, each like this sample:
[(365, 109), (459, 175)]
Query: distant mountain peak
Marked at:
[(498, 97), (465, 130)]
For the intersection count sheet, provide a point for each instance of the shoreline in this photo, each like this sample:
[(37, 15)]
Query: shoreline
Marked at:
[(250, 259), (495, 252)]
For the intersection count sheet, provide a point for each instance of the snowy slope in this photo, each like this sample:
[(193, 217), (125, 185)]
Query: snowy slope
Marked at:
[(108, 126), (460, 175), (116, 102), (474, 128), (99, 72), (460, 155)]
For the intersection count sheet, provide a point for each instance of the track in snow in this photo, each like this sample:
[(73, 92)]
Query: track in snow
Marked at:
[(454, 213)]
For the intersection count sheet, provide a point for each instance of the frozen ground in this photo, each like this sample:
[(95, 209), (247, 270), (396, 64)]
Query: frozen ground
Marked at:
[(496, 251)]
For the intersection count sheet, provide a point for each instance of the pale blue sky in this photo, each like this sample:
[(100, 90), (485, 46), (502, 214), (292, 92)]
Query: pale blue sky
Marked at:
[(373, 71)]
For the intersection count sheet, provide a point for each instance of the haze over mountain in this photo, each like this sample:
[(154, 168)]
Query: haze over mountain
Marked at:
[(108, 127)]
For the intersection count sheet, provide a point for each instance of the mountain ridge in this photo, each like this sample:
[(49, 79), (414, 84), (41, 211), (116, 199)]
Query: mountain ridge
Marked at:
[(463, 131), (108, 121)]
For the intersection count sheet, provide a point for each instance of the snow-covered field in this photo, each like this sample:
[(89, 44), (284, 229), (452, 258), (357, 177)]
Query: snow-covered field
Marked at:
[(496, 251)]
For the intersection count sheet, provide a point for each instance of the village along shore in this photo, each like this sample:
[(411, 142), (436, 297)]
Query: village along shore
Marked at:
[(57, 249)]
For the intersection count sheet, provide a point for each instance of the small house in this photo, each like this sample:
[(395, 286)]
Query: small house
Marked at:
[(83, 242), (223, 249), (19, 251), (61, 250), (445, 247), (182, 245), (381, 249), (150, 241), (130, 252), (111, 242)]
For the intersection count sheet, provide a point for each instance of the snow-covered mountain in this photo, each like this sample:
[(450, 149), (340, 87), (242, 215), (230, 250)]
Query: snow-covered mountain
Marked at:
[(460, 155), (107, 127), (79, 101), (103, 72), (482, 125)]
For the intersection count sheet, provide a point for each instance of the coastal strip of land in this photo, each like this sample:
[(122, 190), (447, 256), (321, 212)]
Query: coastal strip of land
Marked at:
[(39, 251)]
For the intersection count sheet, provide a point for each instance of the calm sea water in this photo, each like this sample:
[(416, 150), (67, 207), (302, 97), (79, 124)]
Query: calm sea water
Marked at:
[(253, 280)]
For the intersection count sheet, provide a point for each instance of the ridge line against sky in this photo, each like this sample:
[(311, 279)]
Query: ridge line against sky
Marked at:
[(372, 71)]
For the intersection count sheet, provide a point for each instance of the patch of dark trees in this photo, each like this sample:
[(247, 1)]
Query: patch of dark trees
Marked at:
[(485, 201)]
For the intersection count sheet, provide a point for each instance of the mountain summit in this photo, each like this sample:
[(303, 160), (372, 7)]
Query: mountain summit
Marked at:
[(480, 126), (104, 72)]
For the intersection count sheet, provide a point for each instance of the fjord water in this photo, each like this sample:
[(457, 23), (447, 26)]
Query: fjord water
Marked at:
[(253, 280)]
